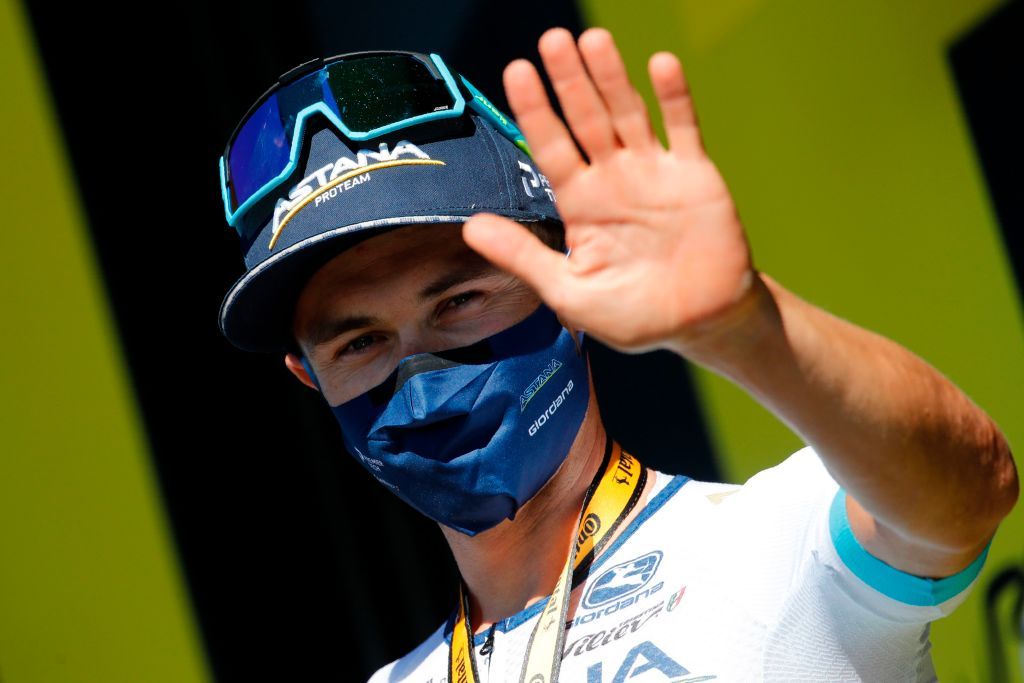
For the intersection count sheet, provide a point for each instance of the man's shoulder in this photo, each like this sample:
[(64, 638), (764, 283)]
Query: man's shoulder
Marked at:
[(421, 658), (792, 516), (799, 481), (803, 467)]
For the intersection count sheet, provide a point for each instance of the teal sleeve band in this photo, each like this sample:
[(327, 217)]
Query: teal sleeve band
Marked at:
[(886, 579)]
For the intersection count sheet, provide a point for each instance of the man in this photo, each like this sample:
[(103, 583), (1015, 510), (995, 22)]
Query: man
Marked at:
[(455, 370)]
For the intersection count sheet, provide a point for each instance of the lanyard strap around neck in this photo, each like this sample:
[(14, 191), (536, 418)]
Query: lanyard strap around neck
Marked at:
[(609, 499)]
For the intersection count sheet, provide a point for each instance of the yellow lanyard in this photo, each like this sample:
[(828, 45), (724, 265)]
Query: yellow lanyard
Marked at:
[(610, 498)]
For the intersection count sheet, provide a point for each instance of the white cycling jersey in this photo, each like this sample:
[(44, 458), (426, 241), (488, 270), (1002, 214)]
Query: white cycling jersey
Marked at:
[(714, 581)]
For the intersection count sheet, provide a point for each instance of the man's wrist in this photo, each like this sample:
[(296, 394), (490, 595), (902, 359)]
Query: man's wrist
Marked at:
[(731, 338)]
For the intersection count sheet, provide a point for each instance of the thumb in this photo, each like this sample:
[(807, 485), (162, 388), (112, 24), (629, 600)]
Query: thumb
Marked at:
[(513, 248)]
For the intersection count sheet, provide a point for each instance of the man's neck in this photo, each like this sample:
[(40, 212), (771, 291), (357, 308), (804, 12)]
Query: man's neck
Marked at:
[(517, 563)]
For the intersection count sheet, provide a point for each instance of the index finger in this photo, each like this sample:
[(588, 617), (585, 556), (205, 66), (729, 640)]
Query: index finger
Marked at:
[(550, 142)]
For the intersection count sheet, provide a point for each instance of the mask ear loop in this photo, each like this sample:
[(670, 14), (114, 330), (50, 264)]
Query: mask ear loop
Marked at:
[(309, 371), (578, 338)]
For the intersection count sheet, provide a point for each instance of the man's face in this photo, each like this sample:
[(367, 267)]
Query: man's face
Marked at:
[(410, 290)]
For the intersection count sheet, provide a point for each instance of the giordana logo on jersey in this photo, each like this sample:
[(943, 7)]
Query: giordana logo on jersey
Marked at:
[(331, 180), (615, 607), (619, 581)]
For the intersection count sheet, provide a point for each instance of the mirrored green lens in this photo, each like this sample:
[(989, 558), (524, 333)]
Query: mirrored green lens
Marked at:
[(375, 91)]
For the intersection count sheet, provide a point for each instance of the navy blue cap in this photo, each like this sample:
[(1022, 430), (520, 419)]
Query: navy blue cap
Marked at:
[(348, 192)]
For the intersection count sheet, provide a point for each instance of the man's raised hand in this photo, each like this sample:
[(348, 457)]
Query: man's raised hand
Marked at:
[(659, 257)]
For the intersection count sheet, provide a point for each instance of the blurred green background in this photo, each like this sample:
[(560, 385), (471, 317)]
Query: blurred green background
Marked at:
[(840, 132)]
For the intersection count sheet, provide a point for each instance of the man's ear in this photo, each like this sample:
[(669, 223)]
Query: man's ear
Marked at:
[(294, 365)]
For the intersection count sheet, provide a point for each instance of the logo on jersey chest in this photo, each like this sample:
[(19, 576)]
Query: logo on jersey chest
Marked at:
[(625, 578)]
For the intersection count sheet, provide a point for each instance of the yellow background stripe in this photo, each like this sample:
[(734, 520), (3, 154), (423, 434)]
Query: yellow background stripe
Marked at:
[(89, 584)]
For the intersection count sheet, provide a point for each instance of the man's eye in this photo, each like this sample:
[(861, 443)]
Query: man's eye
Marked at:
[(357, 345), (460, 300)]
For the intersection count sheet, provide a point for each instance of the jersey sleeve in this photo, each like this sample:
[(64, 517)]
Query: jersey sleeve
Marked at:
[(891, 592), (789, 523), (846, 614)]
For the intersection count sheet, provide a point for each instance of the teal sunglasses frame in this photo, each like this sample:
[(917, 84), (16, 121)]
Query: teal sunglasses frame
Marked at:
[(477, 101)]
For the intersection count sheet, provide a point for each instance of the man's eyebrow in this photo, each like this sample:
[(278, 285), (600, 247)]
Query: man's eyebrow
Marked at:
[(464, 273), (331, 329)]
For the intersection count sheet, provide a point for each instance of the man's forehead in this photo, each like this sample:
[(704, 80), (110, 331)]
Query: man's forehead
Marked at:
[(399, 264), (404, 246)]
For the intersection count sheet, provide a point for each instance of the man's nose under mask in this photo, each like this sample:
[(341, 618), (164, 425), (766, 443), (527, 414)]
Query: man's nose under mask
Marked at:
[(467, 436)]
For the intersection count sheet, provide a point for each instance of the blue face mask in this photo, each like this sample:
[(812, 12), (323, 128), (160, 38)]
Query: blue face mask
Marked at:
[(467, 436)]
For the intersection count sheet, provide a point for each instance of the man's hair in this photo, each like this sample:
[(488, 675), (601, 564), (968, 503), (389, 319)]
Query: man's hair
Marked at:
[(551, 234), (292, 346)]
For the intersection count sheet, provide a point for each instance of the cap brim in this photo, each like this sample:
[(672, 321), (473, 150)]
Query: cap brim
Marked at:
[(256, 313)]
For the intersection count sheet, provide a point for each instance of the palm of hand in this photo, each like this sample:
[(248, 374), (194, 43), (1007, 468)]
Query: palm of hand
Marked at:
[(658, 252)]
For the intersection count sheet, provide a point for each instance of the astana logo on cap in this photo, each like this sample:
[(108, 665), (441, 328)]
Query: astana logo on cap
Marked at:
[(346, 173)]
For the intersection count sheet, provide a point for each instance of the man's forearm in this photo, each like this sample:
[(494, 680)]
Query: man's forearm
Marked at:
[(903, 440)]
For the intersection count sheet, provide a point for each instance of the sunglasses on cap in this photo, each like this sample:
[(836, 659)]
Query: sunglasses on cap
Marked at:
[(363, 94)]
